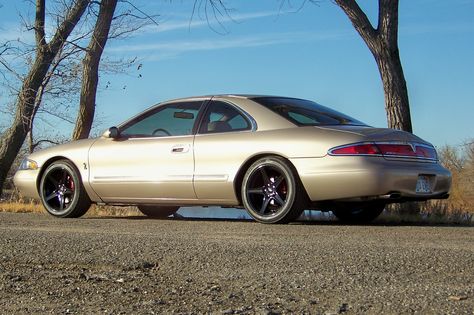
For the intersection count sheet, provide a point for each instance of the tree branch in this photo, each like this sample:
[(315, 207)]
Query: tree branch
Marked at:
[(388, 21), (43, 110), (37, 143), (68, 24), (39, 24), (147, 16), (359, 20), (215, 9)]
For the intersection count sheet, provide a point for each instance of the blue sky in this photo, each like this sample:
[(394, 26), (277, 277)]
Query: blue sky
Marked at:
[(311, 53)]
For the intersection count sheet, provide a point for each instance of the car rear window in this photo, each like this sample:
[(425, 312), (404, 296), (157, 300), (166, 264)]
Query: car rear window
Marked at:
[(306, 113)]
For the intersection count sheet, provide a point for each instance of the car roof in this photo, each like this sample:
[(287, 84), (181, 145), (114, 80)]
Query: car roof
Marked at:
[(246, 96)]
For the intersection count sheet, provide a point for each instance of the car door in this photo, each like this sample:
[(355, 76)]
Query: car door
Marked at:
[(219, 150), (151, 160)]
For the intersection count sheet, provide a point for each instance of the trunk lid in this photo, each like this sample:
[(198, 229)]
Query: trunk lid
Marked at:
[(378, 134)]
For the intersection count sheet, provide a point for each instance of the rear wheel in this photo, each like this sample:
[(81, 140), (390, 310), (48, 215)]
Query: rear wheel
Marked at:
[(271, 192), (62, 192), (157, 211), (358, 212)]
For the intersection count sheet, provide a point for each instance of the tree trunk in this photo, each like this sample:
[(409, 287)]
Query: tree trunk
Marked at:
[(383, 43), (90, 72), (13, 138), (396, 94)]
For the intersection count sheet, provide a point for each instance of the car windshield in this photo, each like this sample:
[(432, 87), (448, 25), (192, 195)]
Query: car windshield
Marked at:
[(306, 113)]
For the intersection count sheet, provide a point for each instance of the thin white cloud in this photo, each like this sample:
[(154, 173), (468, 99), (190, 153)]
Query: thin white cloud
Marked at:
[(196, 22), (225, 42), (172, 49), (203, 44)]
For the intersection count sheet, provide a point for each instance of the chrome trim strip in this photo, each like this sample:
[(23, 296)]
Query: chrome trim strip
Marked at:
[(134, 179), (211, 178), (158, 137)]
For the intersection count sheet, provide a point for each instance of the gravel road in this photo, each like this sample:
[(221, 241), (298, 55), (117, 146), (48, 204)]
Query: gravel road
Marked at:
[(135, 265)]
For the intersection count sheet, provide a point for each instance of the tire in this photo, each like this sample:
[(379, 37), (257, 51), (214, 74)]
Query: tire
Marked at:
[(157, 211), (61, 191), (358, 212), (271, 192)]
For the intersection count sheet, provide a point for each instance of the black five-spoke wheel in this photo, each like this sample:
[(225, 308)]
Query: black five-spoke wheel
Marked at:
[(61, 191), (271, 192)]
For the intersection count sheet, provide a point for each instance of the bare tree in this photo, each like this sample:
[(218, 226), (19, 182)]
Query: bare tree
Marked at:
[(128, 20), (90, 75), (12, 139), (60, 90), (383, 43), (65, 87)]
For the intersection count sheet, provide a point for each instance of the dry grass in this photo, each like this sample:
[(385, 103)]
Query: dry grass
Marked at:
[(426, 217), (100, 211), (460, 161), (94, 211), (21, 207)]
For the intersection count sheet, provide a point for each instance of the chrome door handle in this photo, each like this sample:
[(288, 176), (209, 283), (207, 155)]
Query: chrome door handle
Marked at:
[(180, 148)]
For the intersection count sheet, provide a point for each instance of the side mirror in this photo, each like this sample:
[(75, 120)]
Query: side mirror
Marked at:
[(112, 133)]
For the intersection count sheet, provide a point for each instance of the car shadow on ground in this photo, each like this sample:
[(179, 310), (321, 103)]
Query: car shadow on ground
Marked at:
[(320, 222)]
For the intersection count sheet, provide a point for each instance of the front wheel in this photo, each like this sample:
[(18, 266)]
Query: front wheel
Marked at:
[(358, 212), (271, 192), (157, 211), (62, 192)]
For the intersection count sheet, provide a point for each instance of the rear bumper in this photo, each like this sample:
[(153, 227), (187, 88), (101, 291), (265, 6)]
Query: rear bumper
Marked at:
[(25, 182), (334, 178)]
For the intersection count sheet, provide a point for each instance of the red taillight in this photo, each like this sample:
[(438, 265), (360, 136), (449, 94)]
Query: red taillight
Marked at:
[(387, 149), (396, 149), (356, 149), (426, 152)]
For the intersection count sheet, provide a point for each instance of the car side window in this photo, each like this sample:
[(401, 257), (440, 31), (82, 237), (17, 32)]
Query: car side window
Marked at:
[(223, 117), (303, 119), (176, 119)]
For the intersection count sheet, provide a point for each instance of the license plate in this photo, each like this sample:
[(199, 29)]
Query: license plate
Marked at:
[(423, 185)]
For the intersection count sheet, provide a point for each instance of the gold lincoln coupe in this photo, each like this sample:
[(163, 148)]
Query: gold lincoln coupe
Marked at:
[(274, 156)]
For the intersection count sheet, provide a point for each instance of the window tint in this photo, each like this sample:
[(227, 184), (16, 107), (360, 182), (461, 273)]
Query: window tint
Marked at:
[(222, 117), (306, 113), (175, 119)]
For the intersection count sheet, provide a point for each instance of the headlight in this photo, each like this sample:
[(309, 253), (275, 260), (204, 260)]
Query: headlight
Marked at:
[(27, 164)]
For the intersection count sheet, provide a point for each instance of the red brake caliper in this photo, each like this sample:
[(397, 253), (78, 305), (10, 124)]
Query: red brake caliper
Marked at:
[(283, 188), (71, 183)]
